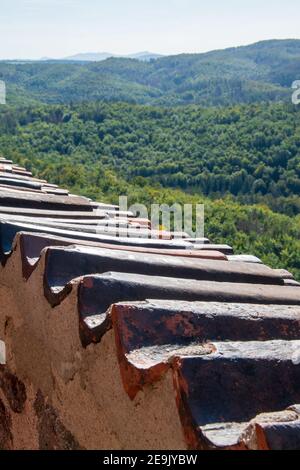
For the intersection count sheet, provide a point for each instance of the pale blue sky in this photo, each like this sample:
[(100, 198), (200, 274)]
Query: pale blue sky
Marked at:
[(57, 28)]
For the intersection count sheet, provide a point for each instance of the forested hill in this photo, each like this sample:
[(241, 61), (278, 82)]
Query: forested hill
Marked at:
[(251, 152), (260, 72)]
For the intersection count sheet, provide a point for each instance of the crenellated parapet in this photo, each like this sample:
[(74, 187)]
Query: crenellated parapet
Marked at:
[(115, 342)]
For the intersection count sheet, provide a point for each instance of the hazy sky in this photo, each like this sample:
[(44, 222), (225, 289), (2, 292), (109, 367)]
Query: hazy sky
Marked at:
[(57, 28)]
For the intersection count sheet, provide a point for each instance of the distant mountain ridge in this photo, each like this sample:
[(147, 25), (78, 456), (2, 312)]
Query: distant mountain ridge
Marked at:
[(259, 72), (99, 56)]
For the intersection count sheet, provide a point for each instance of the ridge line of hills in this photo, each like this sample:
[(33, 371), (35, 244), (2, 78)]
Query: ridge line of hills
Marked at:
[(262, 71)]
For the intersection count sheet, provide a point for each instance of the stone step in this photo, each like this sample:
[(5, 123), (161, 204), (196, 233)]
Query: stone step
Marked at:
[(160, 322), (149, 334), (236, 382), (66, 222), (8, 231), (112, 228), (200, 241), (98, 292), (15, 182), (26, 178), (44, 201), (226, 249), (31, 246), (65, 264), (60, 214), (245, 258)]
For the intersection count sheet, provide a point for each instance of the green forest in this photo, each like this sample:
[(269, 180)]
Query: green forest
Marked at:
[(251, 152), (242, 162)]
